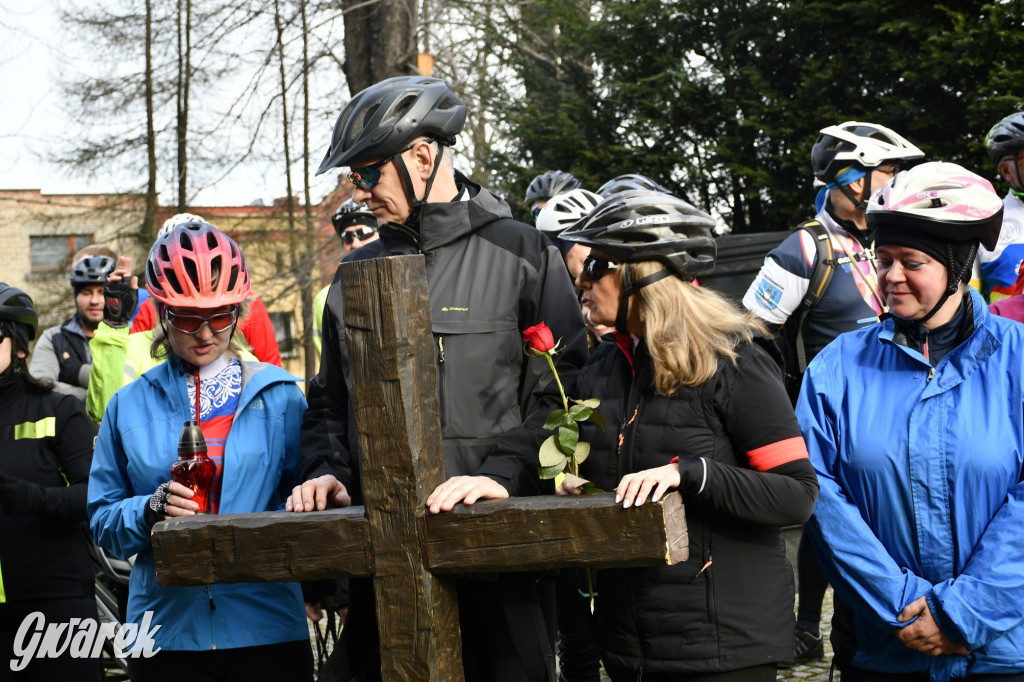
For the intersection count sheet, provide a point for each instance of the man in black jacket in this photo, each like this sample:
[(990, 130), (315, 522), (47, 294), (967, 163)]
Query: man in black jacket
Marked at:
[(490, 278)]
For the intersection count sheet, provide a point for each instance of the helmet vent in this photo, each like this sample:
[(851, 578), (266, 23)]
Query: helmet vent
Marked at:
[(172, 281), (193, 272), (211, 240), (186, 243), (233, 277)]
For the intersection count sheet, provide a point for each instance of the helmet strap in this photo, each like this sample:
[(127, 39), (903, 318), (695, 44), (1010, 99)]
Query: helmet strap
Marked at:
[(953, 283), (629, 287), (416, 205)]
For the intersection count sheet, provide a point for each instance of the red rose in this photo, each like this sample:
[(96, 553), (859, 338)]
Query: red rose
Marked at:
[(539, 339)]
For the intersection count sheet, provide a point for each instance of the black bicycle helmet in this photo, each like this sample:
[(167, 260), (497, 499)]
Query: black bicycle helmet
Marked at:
[(643, 225), (630, 183), (91, 270), (350, 213), (16, 306), (549, 184), (384, 118), (1005, 138)]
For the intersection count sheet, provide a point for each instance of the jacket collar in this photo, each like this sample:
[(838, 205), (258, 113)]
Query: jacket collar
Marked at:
[(168, 378), (446, 222)]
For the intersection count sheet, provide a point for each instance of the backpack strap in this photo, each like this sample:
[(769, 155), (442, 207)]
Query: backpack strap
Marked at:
[(821, 277)]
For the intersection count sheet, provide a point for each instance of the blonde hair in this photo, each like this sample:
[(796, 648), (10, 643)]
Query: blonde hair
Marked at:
[(688, 329)]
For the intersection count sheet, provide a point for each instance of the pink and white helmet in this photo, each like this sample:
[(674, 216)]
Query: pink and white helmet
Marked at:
[(940, 199), (195, 265)]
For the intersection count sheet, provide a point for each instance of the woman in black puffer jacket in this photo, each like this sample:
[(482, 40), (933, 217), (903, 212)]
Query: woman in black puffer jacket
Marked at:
[(693, 397)]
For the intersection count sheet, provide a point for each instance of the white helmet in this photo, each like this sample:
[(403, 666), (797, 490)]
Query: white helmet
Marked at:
[(868, 144), (942, 200), (179, 219), (563, 210)]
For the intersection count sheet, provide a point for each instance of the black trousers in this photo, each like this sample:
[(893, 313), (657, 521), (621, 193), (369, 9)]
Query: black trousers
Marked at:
[(284, 662), (757, 673), (12, 614)]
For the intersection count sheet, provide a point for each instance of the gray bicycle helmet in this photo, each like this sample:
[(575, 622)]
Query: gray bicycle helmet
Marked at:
[(549, 184), (1005, 138), (643, 225), (350, 213), (630, 183), (16, 306), (91, 270), (382, 119)]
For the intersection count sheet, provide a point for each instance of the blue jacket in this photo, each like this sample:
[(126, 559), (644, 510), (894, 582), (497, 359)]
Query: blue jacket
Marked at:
[(921, 493), (137, 444)]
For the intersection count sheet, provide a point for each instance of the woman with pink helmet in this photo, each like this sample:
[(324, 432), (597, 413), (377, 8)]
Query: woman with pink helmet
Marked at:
[(249, 414)]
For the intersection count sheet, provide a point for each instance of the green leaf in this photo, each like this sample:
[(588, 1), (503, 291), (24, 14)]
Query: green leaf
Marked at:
[(568, 436), (589, 488), (582, 452), (550, 472), (550, 454), (597, 419), (555, 419), (580, 412), (592, 403)]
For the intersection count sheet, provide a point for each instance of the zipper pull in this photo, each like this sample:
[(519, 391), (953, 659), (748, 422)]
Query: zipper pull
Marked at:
[(931, 374), (440, 350), (209, 595)]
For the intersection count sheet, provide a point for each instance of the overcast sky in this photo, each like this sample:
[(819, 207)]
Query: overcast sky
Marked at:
[(32, 119)]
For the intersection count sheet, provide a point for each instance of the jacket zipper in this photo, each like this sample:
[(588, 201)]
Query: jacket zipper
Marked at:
[(440, 379), (213, 607)]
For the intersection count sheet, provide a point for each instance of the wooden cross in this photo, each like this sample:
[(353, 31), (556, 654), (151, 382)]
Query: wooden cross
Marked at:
[(412, 555)]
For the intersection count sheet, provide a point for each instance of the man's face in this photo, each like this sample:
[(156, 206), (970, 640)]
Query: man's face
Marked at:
[(1012, 170), (89, 304), (387, 199), (354, 236)]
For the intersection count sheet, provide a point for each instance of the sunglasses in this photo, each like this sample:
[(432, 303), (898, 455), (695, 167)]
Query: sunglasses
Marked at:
[(191, 324), (596, 268), (359, 233), (367, 177)]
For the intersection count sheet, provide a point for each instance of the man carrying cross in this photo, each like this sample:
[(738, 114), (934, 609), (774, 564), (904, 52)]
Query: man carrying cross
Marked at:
[(489, 277)]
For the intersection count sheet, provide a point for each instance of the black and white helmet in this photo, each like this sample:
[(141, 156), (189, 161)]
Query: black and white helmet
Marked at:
[(547, 185), (564, 210), (384, 118), (91, 270), (1005, 138), (643, 226), (866, 144), (350, 213), (630, 183)]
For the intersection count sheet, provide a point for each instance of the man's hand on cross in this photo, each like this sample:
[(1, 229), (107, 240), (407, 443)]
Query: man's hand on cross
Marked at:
[(318, 494), (465, 489)]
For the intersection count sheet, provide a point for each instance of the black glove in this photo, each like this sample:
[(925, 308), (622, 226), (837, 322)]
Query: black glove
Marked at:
[(157, 507), (16, 495), (119, 301), (70, 369)]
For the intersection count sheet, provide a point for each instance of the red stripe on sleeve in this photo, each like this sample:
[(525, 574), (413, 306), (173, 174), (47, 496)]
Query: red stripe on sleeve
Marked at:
[(780, 452)]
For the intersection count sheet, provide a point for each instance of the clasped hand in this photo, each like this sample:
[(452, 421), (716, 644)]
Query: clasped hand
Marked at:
[(924, 634)]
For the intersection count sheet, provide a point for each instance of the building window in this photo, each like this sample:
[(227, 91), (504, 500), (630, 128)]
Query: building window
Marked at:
[(55, 252), (284, 330)]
